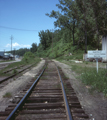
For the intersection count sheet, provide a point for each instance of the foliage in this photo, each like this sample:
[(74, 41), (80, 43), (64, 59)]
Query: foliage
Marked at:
[(28, 56), (14, 71), (86, 20), (33, 49), (7, 95), (21, 51), (45, 38), (97, 81)]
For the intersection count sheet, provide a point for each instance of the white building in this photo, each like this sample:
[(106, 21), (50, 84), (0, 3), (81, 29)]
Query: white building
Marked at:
[(104, 46)]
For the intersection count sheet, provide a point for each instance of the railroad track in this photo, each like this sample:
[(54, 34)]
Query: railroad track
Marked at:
[(2, 79), (9, 70), (2, 66), (49, 97)]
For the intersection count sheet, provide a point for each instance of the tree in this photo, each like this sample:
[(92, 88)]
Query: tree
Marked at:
[(45, 38), (34, 47), (99, 8), (21, 51), (87, 16), (66, 19)]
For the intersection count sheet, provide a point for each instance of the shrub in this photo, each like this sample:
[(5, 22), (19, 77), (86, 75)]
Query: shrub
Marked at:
[(97, 81), (8, 95)]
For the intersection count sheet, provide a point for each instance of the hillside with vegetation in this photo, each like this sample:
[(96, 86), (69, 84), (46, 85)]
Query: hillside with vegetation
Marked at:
[(78, 27)]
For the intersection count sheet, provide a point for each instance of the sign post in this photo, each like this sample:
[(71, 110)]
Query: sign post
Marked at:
[(97, 64), (97, 54)]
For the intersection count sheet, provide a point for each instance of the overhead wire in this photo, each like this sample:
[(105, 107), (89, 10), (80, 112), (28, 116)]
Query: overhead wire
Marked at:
[(5, 27)]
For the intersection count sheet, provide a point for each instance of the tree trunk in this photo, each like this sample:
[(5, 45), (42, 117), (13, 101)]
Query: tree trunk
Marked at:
[(73, 32), (85, 41), (98, 39)]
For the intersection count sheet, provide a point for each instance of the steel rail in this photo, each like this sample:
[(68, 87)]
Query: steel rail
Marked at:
[(21, 103), (16, 73), (68, 112)]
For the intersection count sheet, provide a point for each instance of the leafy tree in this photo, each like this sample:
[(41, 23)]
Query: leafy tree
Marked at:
[(45, 38), (88, 17), (66, 19), (34, 47), (21, 51), (91, 17)]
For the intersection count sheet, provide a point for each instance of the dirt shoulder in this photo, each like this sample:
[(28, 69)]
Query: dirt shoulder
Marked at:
[(17, 85), (95, 105)]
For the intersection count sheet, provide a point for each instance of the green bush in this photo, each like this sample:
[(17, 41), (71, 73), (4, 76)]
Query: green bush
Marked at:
[(7, 95), (97, 81), (14, 71), (28, 56)]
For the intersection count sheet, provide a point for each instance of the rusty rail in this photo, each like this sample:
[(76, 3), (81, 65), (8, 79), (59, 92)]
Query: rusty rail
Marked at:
[(15, 74), (68, 112), (21, 103)]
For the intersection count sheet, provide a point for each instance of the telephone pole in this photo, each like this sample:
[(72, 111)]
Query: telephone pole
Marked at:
[(52, 40), (11, 42)]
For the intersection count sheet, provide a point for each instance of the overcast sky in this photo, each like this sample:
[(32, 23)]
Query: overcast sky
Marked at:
[(23, 19)]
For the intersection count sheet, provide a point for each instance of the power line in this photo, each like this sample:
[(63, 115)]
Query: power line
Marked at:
[(17, 28)]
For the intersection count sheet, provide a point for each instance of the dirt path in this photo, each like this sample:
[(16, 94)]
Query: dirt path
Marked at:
[(95, 105), (16, 86)]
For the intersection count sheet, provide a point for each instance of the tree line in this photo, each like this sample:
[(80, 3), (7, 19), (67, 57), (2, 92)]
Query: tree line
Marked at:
[(22, 51)]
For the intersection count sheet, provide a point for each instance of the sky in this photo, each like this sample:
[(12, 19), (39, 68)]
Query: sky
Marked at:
[(23, 19)]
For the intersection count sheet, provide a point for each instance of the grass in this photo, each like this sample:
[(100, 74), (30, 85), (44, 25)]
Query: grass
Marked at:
[(43, 78), (87, 73), (96, 81), (14, 71), (58, 86), (18, 64), (6, 60), (7, 95)]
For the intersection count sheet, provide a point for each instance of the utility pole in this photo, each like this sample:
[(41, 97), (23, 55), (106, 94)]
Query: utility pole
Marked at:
[(14, 53), (11, 42), (52, 40)]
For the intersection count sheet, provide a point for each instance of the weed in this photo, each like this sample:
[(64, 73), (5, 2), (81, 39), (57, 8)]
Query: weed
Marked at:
[(86, 62), (14, 71), (7, 95), (59, 67), (66, 89), (31, 60), (65, 77), (97, 81), (44, 78), (58, 86), (45, 73)]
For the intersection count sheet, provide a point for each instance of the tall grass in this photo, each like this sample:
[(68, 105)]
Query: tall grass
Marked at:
[(97, 81), (87, 73)]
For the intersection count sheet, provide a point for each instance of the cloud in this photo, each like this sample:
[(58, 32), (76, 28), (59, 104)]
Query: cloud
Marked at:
[(18, 45), (8, 45)]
